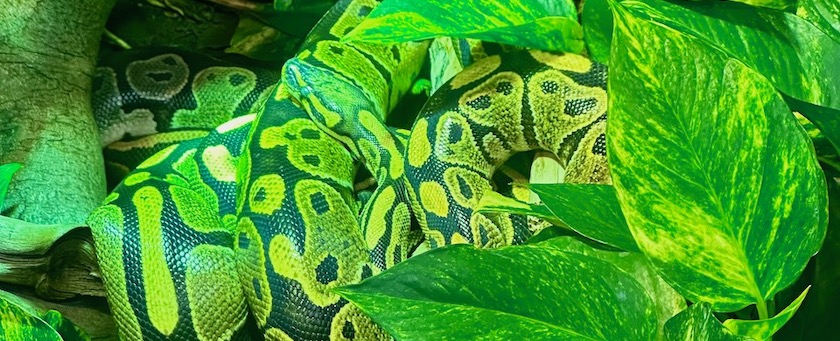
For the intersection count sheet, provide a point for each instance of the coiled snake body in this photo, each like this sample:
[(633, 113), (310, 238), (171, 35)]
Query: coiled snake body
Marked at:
[(257, 219)]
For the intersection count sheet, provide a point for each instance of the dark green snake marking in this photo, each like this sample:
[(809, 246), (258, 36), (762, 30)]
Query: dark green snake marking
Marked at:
[(241, 223)]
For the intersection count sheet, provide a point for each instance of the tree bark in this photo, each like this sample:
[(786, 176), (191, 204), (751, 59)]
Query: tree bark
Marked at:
[(48, 52)]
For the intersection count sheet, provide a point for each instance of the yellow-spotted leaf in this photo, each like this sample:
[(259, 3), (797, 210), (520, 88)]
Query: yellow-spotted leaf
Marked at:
[(540, 24), (17, 323), (717, 181), (776, 4), (764, 329), (698, 323), (824, 14), (526, 292), (6, 173)]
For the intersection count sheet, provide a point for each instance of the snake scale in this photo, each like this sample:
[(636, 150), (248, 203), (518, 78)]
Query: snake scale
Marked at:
[(249, 220)]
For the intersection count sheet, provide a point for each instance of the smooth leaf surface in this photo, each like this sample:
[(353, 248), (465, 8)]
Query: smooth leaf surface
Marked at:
[(597, 29), (6, 173), (723, 192), (698, 323), (494, 202), (528, 292), (667, 301), (591, 210), (764, 329), (544, 25)]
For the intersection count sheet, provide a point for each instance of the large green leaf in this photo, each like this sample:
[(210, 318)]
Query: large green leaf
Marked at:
[(723, 192), (698, 323), (528, 292), (667, 302), (825, 14), (545, 25), (764, 329), (6, 173), (804, 61), (777, 4)]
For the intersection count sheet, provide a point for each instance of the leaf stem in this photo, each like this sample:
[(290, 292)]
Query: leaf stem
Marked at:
[(761, 305)]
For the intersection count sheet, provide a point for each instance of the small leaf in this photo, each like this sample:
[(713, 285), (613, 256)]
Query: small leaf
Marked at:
[(527, 23), (697, 323), (722, 191), (764, 329), (6, 173), (494, 202), (591, 210), (528, 292)]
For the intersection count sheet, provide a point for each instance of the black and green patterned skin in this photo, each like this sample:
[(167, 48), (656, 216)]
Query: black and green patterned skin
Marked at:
[(349, 89), (164, 237), (497, 107), (147, 100), (257, 215)]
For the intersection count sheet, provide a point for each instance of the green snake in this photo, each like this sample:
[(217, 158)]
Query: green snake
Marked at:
[(253, 222)]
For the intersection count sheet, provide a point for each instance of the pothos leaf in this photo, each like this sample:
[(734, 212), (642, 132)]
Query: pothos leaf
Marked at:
[(533, 292), (597, 29), (776, 4), (824, 14), (698, 323), (527, 23), (17, 323), (6, 173), (723, 191)]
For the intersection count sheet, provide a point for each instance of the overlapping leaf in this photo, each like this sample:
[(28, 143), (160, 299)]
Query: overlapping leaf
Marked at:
[(698, 323), (18, 321), (531, 292), (825, 14), (717, 181), (545, 25)]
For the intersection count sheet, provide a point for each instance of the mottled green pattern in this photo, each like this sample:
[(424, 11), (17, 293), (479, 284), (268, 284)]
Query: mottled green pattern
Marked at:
[(20, 324), (698, 323), (724, 195), (424, 297), (528, 23), (825, 14), (494, 202), (6, 173), (764, 329)]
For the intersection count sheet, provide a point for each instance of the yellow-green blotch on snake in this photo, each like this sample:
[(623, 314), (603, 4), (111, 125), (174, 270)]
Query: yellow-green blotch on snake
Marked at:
[(253, 224)]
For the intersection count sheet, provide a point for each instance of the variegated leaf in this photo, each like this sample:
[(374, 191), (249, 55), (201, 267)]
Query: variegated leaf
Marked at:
[(825, 14), (17, 323), (717, 181), (776, 4), (545, 25), (764, 329), (698, 323), (526, 292), (494, 202)]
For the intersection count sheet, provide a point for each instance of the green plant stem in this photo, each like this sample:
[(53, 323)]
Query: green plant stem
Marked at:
[(761, 305)]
